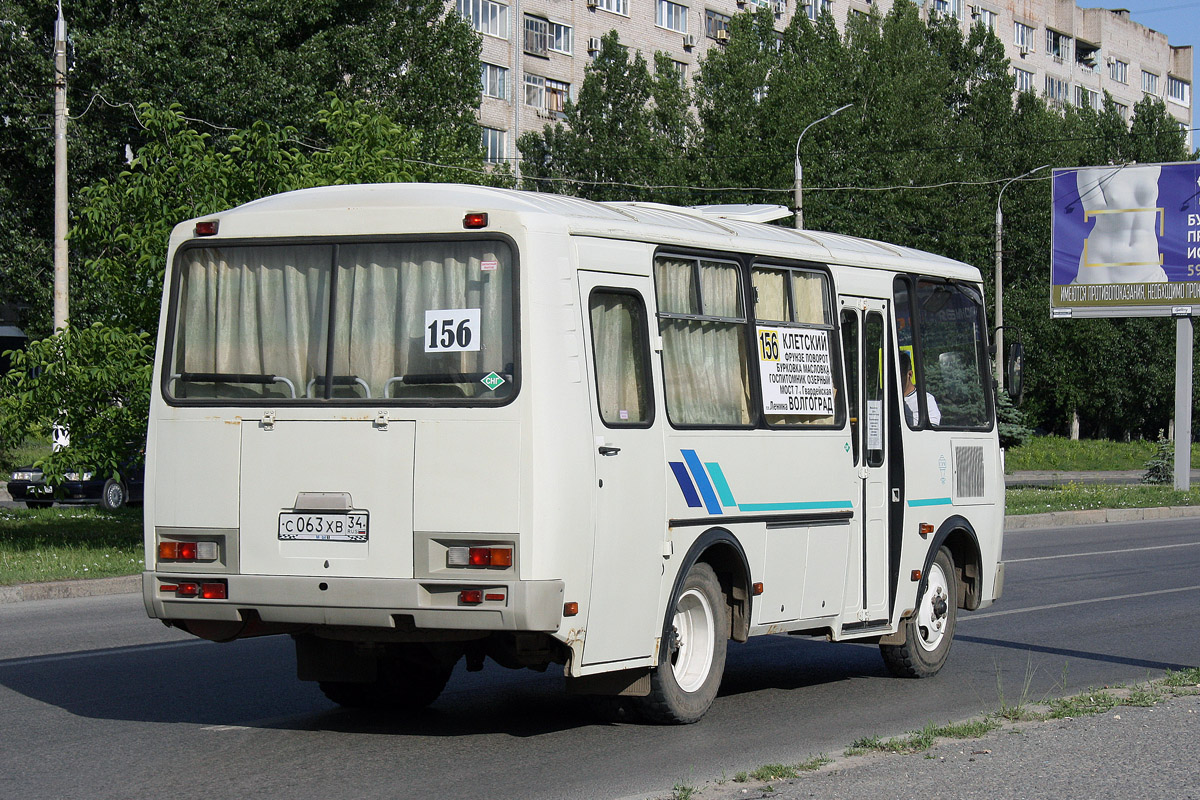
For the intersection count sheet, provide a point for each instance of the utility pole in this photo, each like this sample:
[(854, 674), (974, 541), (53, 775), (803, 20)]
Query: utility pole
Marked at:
[(1000, 359), (798, 169), (61, 273)]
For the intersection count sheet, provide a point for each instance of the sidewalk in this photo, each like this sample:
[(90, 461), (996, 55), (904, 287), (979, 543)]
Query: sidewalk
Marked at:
[(1128, 753)]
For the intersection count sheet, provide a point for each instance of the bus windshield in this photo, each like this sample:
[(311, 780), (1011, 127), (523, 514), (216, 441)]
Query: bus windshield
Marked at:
[(352, 322)]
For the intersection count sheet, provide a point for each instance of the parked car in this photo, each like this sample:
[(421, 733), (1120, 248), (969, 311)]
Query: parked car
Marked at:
[(80, 488)]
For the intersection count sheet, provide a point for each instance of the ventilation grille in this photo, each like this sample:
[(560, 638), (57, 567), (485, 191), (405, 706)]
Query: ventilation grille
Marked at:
[(968, 471)]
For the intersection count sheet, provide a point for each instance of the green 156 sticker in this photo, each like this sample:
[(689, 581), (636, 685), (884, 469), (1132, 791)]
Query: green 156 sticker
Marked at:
[(451, 330)]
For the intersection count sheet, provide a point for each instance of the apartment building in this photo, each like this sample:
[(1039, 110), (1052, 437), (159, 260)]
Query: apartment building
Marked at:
[(535, 51)]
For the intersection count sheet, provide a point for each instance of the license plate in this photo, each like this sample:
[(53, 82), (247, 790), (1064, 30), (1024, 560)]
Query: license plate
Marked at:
[(303, 526)]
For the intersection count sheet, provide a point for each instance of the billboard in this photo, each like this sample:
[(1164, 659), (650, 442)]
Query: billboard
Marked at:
[(1126, 240)]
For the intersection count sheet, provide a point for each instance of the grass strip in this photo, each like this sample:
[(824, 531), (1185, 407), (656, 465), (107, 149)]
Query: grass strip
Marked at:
[(69, 542), (1081, 497), (1060, 453)]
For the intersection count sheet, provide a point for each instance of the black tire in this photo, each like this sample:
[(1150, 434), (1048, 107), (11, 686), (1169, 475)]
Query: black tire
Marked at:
[(692, 655), (409, 679), (113, 495), (39, 503), (930, 632)]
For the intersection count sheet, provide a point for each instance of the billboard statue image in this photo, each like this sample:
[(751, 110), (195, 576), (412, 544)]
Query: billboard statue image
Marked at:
[(1126, 240)]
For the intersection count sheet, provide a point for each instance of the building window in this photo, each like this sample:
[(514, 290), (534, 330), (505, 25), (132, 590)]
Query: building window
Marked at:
[(948, 8), (1056, 91), (486, 16), (815, 8), (1118, 70), (1123, 110), (681, 70), (557, 94), (987, 18), (1023, 35), (1179, 91), (535, 91), (615, 6), (495, 81), (537, 36), (671, 16), (1058, 45), (547, 94), (715, 24), (494, 142), (1149, 82), (560, 38), (1024, 79), (1087, 98)]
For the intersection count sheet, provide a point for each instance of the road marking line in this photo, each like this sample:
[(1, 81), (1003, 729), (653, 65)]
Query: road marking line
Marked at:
[(1077, 603), (1102, 552)]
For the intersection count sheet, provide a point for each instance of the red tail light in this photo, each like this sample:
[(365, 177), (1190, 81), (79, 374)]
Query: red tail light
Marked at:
[(470, 596)]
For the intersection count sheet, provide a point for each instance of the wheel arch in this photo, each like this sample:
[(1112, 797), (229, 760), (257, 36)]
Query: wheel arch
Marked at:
[(958, 536), (722, 551)]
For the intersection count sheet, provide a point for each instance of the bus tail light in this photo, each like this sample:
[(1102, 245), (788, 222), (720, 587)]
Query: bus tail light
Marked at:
[(475, 220), (479, 556), (187, 551), (470, 597), (216, 590)]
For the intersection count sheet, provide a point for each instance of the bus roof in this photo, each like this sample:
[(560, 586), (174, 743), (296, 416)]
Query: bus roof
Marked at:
[(371, 209)]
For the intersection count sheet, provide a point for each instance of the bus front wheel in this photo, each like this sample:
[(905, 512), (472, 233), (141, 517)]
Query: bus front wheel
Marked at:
[(692, 655), (930, 631)]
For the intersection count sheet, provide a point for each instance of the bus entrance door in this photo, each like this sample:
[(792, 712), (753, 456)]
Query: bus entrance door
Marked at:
[(864, 337), (630, 475)]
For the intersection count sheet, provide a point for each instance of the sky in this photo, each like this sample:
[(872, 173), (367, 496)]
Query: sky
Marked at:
[(1178, 19)]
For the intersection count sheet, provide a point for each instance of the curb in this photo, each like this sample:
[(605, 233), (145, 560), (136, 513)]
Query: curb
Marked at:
[(60, 590), (1056, 519)]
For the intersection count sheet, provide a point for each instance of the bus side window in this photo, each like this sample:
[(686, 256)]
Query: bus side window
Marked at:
[(702, 323), (850, 350), (791, 300), (620, 353)]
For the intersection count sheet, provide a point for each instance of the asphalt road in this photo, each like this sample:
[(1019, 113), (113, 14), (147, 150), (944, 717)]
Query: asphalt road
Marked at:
[(97, 700)]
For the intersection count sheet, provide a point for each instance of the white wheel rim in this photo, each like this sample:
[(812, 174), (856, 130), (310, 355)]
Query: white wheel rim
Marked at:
[(933, 615), (694, 640)]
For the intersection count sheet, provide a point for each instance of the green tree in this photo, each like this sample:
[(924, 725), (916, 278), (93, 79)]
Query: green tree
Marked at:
[(628, 127), (93, 382), (225, 65)]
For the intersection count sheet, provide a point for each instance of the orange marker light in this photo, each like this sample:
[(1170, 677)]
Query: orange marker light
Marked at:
[(501, 557), (925, 529), (570, 609), (916, 575), (757, 589)]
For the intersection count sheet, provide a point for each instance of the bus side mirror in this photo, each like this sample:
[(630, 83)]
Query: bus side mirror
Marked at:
[(1013, 370)]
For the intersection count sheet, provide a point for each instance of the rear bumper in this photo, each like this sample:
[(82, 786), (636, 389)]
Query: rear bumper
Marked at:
[(385, 603)]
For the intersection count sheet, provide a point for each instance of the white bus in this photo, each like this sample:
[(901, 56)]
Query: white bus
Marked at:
[(410, 425)]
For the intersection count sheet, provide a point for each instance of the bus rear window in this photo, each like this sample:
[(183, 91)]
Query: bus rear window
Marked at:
[(369, 322)]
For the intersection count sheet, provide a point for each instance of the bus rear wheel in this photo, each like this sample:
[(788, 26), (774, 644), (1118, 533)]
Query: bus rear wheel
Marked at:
[(930, 632), (692, 655), (409, 679)]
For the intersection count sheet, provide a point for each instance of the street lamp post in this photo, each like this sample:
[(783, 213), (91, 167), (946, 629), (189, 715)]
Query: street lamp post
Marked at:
[(1000, 277), (798, 171)]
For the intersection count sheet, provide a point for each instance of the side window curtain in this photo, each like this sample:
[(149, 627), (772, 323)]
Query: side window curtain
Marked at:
[(797, 353), (951, 347), (620, 353), (701, 320)]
